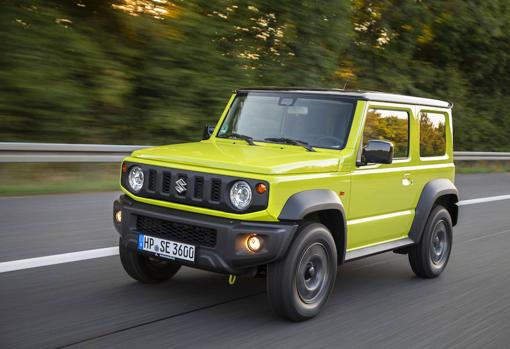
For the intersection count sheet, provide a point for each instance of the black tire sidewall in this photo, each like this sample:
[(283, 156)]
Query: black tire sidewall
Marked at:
[(139, 266), (439, 213), (285, 270)]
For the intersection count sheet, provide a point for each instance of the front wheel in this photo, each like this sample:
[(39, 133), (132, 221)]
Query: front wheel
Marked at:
[(147, 270), (299, 284), (428, 258)]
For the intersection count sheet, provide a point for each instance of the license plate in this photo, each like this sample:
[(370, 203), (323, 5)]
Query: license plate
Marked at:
[(166, 248)]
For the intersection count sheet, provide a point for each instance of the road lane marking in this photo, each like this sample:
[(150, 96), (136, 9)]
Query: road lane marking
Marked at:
[(113, 251), (482, 200), (57, 259)]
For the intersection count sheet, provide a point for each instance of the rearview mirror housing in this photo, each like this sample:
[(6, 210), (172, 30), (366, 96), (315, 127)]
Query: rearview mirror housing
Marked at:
[(377, 152), (208, 131)]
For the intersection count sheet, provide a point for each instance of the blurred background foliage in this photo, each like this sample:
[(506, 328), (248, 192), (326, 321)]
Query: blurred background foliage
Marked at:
[(155, 71)]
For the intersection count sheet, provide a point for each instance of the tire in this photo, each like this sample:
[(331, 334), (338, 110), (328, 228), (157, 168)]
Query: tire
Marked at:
[(145, 269), (299, 284), (430, 256)]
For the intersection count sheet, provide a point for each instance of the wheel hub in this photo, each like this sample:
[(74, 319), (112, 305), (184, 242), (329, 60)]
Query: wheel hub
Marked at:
[(310, 272), (312, 275), (439, 244)]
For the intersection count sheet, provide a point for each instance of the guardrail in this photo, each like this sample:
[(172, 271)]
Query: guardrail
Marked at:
[(53, 152), (480, 156)]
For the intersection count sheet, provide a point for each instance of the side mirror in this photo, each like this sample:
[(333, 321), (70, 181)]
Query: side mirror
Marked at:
[(377, 152), (208, 131)]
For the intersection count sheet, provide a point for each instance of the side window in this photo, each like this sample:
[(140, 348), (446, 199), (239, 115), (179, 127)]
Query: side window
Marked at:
[(388, 125), (432, 134)]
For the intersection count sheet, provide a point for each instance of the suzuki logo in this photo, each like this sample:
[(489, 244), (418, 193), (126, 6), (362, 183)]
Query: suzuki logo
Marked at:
[(180, 185)]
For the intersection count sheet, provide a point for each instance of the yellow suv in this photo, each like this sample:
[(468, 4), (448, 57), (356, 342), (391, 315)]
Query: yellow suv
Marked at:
[(292, 183)]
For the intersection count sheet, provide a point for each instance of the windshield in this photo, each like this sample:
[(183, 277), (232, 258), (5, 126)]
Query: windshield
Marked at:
[(321, 121)]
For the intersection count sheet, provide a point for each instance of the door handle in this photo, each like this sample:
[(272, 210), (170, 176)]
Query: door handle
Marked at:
[(407, 179)]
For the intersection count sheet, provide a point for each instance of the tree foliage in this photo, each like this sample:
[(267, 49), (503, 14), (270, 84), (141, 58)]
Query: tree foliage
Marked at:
[(153, 72), (390, 126), (432, 134)]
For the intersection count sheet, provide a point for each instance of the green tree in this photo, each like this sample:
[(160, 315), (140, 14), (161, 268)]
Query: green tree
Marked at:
[(152, 72)]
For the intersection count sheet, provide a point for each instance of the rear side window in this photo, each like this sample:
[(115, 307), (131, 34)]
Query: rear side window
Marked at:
[(432, 134), (388, 125)]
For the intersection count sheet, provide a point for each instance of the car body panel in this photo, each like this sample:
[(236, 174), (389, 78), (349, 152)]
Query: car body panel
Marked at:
[(384, 196), (237, 155)]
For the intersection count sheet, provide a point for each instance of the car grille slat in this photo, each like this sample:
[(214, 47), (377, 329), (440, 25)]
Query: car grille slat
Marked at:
[(199, 188), (216, 189), (153, 180), (167, 182), (180, 232)]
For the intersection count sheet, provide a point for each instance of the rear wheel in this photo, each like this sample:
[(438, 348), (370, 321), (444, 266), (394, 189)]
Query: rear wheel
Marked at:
[(299, 284), (146, 269), (429, 258)]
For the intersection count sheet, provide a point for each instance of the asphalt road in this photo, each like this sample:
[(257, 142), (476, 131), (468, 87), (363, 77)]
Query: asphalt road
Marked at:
[(377, 302)]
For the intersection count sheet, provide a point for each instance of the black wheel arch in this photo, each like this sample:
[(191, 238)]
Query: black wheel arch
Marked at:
[(323, 206), (438, 191)]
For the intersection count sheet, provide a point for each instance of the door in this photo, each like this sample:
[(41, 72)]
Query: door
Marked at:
[(382, 194)]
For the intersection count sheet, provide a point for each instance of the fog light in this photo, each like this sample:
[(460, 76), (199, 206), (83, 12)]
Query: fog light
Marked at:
[(254, 243), (118, 216)]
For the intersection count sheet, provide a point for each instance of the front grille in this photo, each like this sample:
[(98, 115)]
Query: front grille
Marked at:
[(180, 232), (199, 189)]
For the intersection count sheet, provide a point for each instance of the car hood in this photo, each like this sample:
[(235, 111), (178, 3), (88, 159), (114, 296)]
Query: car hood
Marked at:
[(231, 155)]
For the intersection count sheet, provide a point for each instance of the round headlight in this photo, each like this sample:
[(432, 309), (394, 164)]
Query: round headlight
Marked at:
[(240, 195), (135, 178)]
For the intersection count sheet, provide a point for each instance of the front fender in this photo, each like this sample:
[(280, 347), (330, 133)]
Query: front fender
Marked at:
[(330, 209), (301, 204)]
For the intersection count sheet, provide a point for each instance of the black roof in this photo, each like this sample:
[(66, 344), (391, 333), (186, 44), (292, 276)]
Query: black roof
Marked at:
[(358, 94)]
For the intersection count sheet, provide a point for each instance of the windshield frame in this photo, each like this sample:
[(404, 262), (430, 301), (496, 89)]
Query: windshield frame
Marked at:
[(327, 96)]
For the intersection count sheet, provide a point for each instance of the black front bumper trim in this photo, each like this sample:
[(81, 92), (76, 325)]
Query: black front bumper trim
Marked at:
[(228, 255)]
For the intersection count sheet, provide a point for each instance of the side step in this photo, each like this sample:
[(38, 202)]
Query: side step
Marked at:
[(376, 249)]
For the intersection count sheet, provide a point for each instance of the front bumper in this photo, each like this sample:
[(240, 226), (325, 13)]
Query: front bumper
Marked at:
[(227, 254)]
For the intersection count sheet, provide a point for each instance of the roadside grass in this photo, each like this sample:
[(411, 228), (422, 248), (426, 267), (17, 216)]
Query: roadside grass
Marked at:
[(471, 167), (58, 178)]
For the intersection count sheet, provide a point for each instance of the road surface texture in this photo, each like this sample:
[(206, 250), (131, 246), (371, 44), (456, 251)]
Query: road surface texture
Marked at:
[(377, 302)]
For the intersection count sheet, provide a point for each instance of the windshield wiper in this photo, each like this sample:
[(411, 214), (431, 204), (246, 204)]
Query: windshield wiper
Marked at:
[(290, 141), (248, 139)]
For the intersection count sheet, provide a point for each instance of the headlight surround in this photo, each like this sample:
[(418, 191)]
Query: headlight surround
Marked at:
[(240, 195), (136, 178)]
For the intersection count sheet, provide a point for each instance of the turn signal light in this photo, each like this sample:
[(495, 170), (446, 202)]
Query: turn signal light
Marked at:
[(254, 243), (118, 216), (261, 188), (124, 167)]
